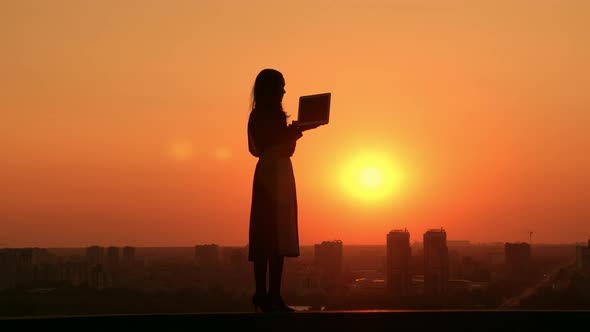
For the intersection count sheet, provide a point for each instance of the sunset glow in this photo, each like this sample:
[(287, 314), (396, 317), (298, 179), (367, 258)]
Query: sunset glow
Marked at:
[(372, 178), (124, 122)]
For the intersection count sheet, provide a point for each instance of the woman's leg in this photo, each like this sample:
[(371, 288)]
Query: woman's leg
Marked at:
[(260, 267), (275, 267), (275, 274)]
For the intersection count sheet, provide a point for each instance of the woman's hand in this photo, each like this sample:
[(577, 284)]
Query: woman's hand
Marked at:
[(304, 127)]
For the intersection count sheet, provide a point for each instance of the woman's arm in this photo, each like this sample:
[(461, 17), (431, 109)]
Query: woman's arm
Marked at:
[(273, 135)]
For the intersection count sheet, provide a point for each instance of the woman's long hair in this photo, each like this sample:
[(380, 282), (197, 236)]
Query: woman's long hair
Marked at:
[(268, 91)]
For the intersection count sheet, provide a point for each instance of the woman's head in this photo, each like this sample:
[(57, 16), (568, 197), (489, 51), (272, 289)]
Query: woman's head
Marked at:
[(268, 90)]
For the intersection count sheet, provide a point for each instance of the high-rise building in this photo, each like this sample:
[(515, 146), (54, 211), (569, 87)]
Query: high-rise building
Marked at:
[(207, 255), (436, 262), (328, 260), (73, 273), (128, 255), (22, 267), (517, 258), (113, 257), (583, 258), (305, 280), (95, 255), (399, 253), (238, 258), (99, 278)]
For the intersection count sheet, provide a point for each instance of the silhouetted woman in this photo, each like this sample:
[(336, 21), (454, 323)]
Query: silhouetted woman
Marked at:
[(273, 232)]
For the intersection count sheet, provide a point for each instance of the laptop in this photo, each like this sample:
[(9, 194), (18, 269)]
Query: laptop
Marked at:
[(314, 109)]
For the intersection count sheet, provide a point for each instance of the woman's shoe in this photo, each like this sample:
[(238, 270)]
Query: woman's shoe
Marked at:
[(260, 301), (276, 304)]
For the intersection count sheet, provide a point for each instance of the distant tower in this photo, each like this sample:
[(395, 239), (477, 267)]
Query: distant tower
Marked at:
[(517, 258), (95, 255), (207, 255), (128, 255), (583, 258), (238, 258), (436, 262), (113, 257), (399, 253), (328, 259)]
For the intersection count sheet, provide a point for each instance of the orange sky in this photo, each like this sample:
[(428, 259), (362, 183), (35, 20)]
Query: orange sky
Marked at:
[(123, 122)]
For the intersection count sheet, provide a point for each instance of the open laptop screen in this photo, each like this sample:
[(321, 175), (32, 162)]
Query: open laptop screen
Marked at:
[(314, 109)]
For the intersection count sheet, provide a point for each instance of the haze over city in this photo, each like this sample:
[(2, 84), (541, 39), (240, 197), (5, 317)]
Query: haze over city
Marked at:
[(124, 123)]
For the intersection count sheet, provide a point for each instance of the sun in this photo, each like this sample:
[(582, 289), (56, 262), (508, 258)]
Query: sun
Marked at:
[(371, 177)]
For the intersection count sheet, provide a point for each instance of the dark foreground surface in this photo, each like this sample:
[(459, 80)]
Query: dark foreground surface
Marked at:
[(316, 321)]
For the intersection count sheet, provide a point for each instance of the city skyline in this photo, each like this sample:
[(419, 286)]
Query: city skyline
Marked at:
[(398, 273), (412, 240), (307, 245)]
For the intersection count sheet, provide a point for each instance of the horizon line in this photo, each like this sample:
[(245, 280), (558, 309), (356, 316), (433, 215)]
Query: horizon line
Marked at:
[(3, 246)]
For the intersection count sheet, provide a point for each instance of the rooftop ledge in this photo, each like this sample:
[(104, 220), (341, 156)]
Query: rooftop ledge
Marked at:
[(306, 321)]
